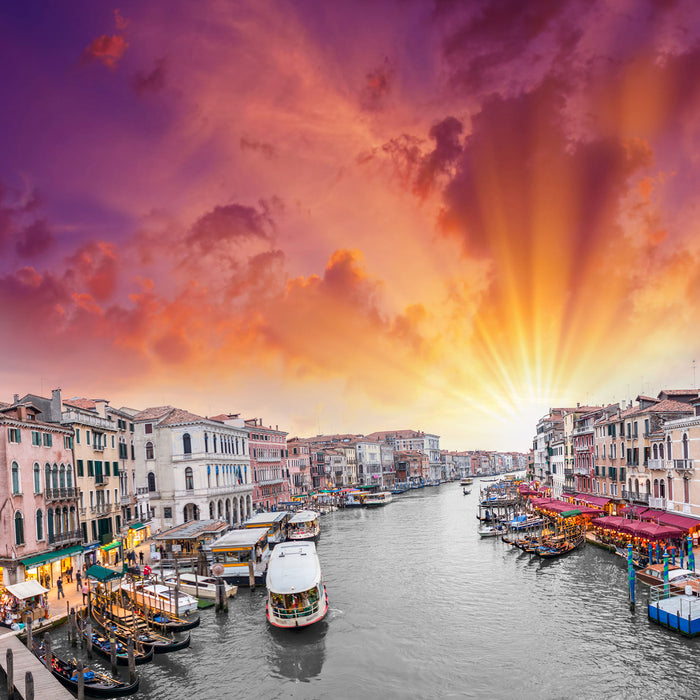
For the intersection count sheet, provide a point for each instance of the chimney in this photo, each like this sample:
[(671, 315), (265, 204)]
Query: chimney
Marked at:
[(16, 398), (55, 408), (578, 404)]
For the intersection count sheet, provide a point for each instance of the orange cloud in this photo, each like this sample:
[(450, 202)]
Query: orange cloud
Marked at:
[(107, 49)]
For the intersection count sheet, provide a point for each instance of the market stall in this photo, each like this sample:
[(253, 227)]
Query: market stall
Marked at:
[(20, 600)]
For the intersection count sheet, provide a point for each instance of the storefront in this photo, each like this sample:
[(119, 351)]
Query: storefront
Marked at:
[(21, 600), (90, 554), (46, 568), (136, 534), (111, 554)]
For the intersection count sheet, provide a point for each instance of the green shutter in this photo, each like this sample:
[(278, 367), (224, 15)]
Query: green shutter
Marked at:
[(115, 468), (106, 468), (80, 467), (91, 471)]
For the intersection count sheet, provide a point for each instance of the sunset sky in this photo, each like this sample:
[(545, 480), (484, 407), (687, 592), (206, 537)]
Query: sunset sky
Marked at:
[(351, 216)]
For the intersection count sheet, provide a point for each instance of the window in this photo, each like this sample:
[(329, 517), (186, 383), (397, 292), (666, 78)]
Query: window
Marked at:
[(112, 441), (48, 440), (19, 528), (68, 442), (106, 468), (151, 481), (187, 444), (39, 525), (189, 480), (167, 512), (131, 427), (37, 478), (14, 435), (148, 428), (668, 449), (15, 477), (79, 465), (36, 437), (685, 445), (115, 468), (206, 442), (91, 471), (149, 450), (77, 436), (87, 436)]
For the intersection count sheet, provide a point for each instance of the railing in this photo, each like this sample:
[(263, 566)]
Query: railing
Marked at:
[(569, 489), (211, 456), (656, 502), (61, 494), (61, 537), (582, 448), (684, 465), (568, 472), (82, 419), (141, 490), (286, 614), (642, 496), (101, 508), (98, 448), (100, 479), (657, 464), (582, 471), (125, 500)]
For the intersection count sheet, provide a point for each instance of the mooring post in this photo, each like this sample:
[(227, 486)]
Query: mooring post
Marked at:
[(81, 680), (28, 686), (88, 629), (48, 656), (10, 675), (30, 637), (113, 651), (630, 574), (251, 575)]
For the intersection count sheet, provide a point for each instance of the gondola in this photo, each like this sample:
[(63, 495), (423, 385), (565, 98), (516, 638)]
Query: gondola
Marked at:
[(160, 644), (101, 645), (162, 620), (96, 684), (466, 492), (549, 551)]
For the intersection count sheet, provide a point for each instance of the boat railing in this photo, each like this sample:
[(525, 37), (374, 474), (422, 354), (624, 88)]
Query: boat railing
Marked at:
[(664, 591), (287, 614)]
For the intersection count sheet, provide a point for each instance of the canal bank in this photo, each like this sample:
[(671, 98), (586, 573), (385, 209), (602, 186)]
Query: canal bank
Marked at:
[(421, 607)]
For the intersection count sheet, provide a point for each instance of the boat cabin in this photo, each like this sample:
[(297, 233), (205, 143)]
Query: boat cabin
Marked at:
[(276, 524), (304, 525), (379, 498), (237, 550)]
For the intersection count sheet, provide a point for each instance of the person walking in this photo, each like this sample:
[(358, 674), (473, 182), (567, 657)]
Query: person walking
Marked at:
[(59, 585), (78, 580), (140, 558), (85, 591)]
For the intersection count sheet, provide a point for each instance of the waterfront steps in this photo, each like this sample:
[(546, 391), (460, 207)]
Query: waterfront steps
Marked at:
[(45, 685)]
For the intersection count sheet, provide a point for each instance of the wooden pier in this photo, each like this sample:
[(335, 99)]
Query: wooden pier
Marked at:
[(45, 685)]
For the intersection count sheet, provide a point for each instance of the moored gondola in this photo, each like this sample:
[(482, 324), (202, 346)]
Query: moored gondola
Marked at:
[(163, 620), (102, 646), (95, 683), (148, 639)]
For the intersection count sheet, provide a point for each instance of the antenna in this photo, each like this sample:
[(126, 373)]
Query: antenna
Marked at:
[(694, 384)]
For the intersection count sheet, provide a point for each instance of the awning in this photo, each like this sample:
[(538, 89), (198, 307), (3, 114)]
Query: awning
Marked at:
[(137, 526), (112, 545), (570, 513), (599, 501), (91, 547), (26, 589), (103, 574), (46, 557), (681, 521)]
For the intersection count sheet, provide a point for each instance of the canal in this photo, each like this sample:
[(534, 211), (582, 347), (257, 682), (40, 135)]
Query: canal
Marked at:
[(421, 607)]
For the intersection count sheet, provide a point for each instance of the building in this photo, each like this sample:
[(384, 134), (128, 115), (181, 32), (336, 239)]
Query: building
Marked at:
[(299, 465), (195, 468), (39, 519), (414, 440), (268, 461)]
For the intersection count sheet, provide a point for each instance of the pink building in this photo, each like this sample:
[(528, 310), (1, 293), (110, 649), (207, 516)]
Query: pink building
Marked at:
[(299, 466), (268, 463), (39, 527)]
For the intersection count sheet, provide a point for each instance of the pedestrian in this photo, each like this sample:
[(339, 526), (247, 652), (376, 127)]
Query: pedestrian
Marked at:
[(140, 558), (78, 580), (70, 574), (85, 591), (59, 585)]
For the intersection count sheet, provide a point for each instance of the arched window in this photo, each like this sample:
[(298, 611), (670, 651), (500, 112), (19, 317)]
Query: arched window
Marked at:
[(151, 481), (37, 478), (655, 450), (206, 442), (69, 476), (661, 450), (49, 524), (47, 476), (62, 477), (19, 528), (656, 488), (685, 445), (662, 489), (187, 444), (668, 449), (39, 525), (648, 486), (149, 450), (670, 488), (189, 479), (54, 476), (15, 477), (214, 443)]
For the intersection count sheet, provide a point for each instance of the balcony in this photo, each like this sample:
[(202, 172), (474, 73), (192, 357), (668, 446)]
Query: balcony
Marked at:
[(101, 508), (684, 465), (125, 500), (61, 494), (641, 496), (582, 471), (101, 480), (568, 472), (63, 537), (655, 502), (657, 464), (93, 421), (569, 489), (582, 448), (98, 448)]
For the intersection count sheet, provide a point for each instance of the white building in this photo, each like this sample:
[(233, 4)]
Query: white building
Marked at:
[(192, 467)]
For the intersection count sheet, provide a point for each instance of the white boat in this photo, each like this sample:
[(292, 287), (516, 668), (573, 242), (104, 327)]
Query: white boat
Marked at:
[(304, 525), (237, 550), (199, 586), (158, 596), (276, 523), (466, 481), (491, 531), (380, 498), (296, 593)]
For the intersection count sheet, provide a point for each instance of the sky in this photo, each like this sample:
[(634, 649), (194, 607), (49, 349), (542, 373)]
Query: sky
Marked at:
[(351, 216)]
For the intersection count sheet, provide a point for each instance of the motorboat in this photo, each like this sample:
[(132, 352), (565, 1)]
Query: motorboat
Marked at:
[(378, 498), (296, 593), (239, 551), (491, 531), (678, 579), (159, 597), (199, 586), (304, 525), (275, 522)]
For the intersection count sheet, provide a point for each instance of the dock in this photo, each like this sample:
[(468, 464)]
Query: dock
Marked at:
[(23, 660), (677, 612)]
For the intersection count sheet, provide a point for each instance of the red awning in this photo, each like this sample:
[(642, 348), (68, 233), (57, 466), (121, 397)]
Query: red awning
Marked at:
[(614, 522), (636, 511), (599, 501), (651, 514), (681, 521)]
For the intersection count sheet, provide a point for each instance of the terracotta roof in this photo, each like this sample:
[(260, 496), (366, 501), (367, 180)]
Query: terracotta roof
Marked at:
[(641, 397), (668, 406), (679, 392), (224, 417), (88, 404), (153, 413), (179, 415)]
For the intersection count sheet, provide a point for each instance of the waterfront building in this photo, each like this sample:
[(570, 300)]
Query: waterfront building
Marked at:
[(549, 429), (414, 440), (609, 470), (268, 462), (39, 522), (299, 465), (557, 465), (388, 474), (195, 468), (412, 466)]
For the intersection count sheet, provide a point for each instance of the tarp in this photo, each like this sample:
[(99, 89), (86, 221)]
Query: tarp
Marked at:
[(31, 562), (599, 501), (109, 547), (681, 521), (570, 513), (137, 526), (613, 522), (26, 589), (651, 531), (102, 574)]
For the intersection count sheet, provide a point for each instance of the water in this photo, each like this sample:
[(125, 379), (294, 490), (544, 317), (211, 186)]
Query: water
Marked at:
[(421, 607)]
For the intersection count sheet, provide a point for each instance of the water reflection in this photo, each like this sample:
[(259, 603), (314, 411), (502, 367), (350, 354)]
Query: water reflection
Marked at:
[(298, 654)]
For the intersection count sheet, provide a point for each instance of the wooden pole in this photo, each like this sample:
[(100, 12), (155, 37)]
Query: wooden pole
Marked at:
[(81, 680), (30, 638), (10, 675), (28, 686), (88, 629), (48, 656), (251, 575), (132, 662), (113, 651)]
